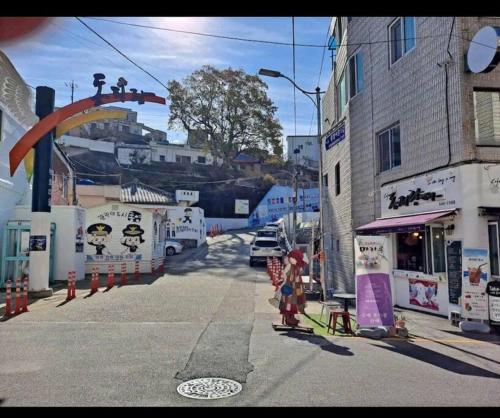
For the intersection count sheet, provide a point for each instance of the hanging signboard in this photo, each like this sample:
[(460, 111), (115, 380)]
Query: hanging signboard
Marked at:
[(373, 289), (493, 292), (454, 263), (474, 279), (334, 137)]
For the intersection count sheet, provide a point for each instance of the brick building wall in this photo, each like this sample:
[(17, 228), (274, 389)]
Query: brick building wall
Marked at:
[(410, 92)]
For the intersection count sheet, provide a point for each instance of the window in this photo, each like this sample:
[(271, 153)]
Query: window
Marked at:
[(93, 126), (162, 158), (341, 95), (125, 128), (422, 251), (389, 147), (202, 160), (65, 186), (355, 74), (410, 251), (487, 117), (325, 180), (401, 37), (337, 179), (438, 255), (183, 159), (493, 238)]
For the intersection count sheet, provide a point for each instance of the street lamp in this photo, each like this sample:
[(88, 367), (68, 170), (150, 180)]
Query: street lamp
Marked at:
[(317, 103)]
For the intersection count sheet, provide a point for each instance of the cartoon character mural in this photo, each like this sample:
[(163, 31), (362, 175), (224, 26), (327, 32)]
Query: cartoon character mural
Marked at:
[(188, 214), (98, 235), (132, 237)]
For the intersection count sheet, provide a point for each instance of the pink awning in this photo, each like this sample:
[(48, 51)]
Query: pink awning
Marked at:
[(408, 223)]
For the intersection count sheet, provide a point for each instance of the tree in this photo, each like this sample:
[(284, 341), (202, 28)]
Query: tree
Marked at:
[(230, 106)]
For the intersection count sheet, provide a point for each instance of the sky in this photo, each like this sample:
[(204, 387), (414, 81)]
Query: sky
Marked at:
[(66, 50)]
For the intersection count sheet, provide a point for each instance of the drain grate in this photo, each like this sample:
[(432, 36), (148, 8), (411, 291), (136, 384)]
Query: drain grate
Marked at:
[(209, 388)]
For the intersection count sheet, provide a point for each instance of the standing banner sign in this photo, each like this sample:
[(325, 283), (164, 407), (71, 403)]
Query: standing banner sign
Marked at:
[(373, 288), (493, 291), (474, 279)]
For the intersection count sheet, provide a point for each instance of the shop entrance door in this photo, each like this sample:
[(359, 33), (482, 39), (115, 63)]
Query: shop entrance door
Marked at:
[(15, 251)]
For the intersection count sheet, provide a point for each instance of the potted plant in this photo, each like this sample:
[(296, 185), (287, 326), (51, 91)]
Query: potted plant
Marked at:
[(400, 321)]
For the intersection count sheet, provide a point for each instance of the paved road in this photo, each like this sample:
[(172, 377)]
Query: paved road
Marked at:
[(209, 316)]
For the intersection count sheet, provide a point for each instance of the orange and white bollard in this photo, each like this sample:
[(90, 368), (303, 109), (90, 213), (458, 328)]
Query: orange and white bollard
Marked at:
[(94, 283), (18, 296), (111, 276), (123, 278), (71, 286), (162, 266), (153, 265), (8, 306), (136, 272), (25, 296)]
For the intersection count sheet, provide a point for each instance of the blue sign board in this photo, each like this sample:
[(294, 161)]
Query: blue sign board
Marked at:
[(335, 136)]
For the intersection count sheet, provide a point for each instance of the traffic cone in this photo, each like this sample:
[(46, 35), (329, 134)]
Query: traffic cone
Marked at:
[(25, 301), (8, 307), (136, 272), (18, 296), (123, 279), (111, 276)]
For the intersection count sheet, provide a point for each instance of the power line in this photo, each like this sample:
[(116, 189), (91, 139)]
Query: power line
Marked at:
[(259, 40), (320, 71), (234, 38), (121, 53)]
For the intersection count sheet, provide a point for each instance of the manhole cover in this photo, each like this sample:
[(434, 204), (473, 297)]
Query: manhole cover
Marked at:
[(209, 388)]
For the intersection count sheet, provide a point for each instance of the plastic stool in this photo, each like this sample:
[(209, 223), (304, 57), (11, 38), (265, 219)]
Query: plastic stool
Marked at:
[(346, 320)]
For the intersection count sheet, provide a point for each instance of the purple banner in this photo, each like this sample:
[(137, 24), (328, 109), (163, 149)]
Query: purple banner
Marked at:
[(373, 300)]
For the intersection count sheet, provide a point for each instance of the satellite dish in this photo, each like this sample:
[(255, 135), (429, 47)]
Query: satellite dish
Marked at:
[(484, 52)]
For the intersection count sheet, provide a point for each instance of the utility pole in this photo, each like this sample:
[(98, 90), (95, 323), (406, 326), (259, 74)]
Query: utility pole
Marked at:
[(295, 197), (72, 86)]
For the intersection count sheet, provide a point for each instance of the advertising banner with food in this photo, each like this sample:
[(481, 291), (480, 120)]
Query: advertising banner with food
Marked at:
[(474, 279), (423, 293), (373, 288)]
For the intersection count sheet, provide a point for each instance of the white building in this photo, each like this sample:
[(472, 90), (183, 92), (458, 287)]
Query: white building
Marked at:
[(74, 145), (308, 150), (163, 151)]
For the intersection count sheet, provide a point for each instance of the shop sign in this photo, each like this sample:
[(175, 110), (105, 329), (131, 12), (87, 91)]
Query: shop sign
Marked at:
[(433, 191), (493, 292), (411, 198), (474, 280), (373, 289), (337, 135)]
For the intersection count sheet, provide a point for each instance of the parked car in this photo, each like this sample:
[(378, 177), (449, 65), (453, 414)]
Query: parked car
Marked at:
[(173, 247), (263, 247)]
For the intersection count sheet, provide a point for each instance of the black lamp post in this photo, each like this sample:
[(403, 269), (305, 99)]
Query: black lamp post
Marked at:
[(317, 104)]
